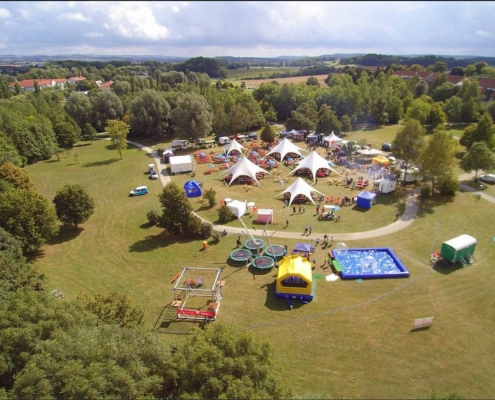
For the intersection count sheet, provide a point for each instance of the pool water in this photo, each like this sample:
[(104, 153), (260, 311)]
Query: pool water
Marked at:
[(370, 263)]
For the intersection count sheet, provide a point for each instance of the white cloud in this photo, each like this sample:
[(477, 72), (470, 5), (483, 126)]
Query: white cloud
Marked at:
[(74, 17), (135, 20), (25, 13), (4, 13), (484, 33), (93, 34), (175, 9)]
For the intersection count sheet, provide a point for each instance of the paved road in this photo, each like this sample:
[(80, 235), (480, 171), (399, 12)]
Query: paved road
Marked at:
[(406, 219)]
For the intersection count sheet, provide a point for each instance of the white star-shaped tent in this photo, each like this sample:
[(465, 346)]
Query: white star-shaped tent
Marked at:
[(313, 162)]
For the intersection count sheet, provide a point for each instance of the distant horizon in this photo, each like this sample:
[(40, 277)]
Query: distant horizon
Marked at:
[(154, 56), (246, 29)]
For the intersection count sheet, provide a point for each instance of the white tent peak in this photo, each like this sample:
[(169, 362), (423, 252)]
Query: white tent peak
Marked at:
[(313, 162), (285, 147), (300, 187), (234, 145), (244, 167)]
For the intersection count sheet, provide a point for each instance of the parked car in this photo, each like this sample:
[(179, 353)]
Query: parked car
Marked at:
[(252, 136), (387, 146), (139, 191), (154, 175), (488, 178)]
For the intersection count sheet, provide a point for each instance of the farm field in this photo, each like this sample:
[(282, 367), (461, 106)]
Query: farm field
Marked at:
[(354, 340), (255, 83)]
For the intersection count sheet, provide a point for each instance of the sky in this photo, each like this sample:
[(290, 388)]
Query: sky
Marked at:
[(247, 29)]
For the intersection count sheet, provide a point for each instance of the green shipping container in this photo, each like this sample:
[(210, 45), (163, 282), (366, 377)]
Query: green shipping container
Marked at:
[(459, 247)]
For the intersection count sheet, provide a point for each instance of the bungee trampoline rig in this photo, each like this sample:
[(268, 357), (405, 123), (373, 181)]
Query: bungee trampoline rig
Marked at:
[(198, 294)]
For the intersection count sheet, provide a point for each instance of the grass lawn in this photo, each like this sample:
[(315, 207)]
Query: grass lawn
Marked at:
[(354, 340)]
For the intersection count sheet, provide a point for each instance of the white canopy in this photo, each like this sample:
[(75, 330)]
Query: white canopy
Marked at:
[(313, 162), (234, 145), (370, 152), (300, 187), (238, 208), (332, 139), (244, 167), (285, 147)]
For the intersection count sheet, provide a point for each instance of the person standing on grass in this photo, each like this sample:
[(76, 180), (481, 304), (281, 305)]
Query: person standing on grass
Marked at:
[(293, 209), (238, 242), (325, 239), (317, 241), (304, 209), (397, 215), (306, 229), (286, 223), (310, 230), (331, 241), (299, 209)]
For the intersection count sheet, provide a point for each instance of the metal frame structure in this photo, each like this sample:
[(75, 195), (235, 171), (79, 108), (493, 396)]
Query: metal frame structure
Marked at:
[(195, 284)]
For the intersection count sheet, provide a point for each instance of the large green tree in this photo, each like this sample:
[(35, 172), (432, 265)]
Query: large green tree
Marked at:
[(150, 114), (78, 106), (17, 177), (267, 134), (483, 131), (221, 361), (478, 157), (192, 116), (118, 131), (15, 272), (105, 105), (73, 205), (177, 210), (28, 216), (409, 142), (438, 158)]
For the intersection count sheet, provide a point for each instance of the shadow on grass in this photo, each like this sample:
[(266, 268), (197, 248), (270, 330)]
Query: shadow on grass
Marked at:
[(275, 303), (424, 328), (429, 205), (101, 163), (52, 161), (153, 242), (65, 234), (446, 267), (82, 144)]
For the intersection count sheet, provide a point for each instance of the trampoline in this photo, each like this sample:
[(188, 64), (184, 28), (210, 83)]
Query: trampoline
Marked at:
[(240, 255), (254, 245), (275, 251), (263, 263)]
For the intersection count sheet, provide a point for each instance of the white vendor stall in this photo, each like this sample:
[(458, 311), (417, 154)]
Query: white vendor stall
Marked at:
[(238, 208), (180, 164), (264, 215)]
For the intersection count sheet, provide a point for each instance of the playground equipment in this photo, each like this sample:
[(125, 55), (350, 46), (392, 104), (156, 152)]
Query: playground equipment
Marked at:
[(294, 279), (197, 294), (275, 251), (240, 255)]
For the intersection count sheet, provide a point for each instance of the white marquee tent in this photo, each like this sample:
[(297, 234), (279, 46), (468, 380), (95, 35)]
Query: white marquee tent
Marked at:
[(300, 187), (244, 167), (313, 162), (333, 140), (234, 145), (238, 208), (285, 147)]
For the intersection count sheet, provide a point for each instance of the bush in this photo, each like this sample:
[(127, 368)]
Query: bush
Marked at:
[(153, 217), (210, 196), (425, 191), (206, 230), (449, 185), (216, 236), (224, 214)]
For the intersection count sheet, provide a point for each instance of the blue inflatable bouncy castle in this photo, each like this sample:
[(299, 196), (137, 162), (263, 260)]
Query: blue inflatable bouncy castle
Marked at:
[(193, 189)]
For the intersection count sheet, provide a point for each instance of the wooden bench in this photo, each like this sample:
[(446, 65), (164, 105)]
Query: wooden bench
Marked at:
[(337, 266)]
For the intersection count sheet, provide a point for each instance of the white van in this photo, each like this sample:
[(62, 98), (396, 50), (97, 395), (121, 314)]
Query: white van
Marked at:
[(180, 144), (224, 140)]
